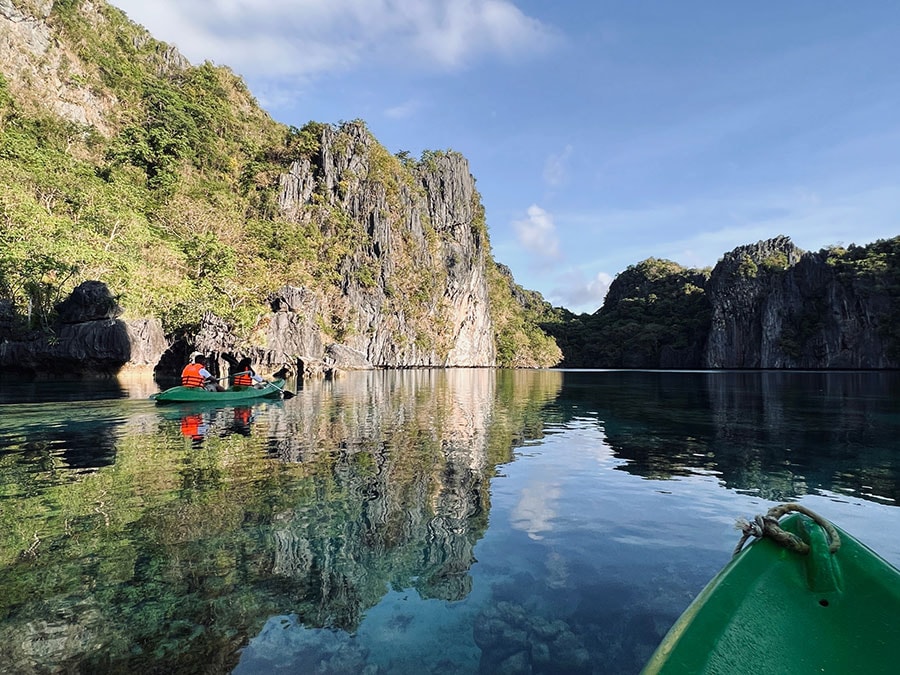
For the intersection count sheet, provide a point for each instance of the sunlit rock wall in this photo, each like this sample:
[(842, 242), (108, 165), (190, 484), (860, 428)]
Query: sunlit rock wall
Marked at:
[(413, 289)]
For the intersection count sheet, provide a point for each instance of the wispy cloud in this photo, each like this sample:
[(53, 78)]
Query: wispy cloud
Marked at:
[(555, 167), (404, 110), (699, 231), (580, 293), (309, 38), (537, 233)]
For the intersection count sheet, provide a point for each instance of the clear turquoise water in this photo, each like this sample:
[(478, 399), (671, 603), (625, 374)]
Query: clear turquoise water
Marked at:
[(413, 521)]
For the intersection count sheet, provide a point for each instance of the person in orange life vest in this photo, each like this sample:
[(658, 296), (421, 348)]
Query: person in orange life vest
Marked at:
[(196, 375), (246, 376)]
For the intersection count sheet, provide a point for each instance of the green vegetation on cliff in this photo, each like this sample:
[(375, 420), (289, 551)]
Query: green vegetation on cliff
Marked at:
[(873, 270), (156, 209), (656, 314), (520, 341), (172, 200)]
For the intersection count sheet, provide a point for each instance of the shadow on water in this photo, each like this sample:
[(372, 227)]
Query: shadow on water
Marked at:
[(779, 435), (66, 435), (18, 391)]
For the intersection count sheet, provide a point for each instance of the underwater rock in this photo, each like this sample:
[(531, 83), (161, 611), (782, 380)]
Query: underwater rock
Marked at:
[(513, 640)]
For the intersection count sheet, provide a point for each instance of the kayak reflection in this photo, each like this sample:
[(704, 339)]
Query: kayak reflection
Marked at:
[(243, 418), (198, 424), (194, 427)]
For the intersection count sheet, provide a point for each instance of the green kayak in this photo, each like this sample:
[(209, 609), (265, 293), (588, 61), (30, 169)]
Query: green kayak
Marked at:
[(775, 609), (272, 389)]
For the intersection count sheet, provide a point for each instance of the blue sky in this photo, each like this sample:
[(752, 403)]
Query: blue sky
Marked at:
[(599, 133)]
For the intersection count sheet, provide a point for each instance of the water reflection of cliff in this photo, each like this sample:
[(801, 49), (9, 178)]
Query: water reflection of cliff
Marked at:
[(79, 437), (776, 434), (413, 452), (174, 556)]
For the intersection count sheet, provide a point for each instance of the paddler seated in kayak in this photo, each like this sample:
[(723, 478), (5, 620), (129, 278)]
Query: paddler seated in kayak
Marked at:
[(196, 375), (246, 376)]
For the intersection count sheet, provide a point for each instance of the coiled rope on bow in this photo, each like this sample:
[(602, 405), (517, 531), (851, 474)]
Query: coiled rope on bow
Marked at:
[(767, 526)]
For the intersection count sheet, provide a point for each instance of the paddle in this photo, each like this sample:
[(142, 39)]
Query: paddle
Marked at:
[(284, 392)]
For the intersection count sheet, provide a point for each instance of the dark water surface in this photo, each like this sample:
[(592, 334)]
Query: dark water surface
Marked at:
[(456, 521)]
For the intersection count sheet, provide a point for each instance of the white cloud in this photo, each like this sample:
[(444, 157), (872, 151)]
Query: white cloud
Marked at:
[(598, 286), (403, 111), (578, 294), (538, 233), (309, 38)]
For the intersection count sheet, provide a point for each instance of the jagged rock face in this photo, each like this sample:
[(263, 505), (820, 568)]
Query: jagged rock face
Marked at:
[(39, 69), (777, 307), (100, 347), (837, 321), (745, 318), (90, 301), (146, 343), (346, 358), (452, 207), (293, 333), (421, 243)]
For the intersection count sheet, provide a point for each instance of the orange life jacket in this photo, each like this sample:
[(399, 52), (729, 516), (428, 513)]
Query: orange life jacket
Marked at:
[(191, 377), (243, 380), (190, 426)]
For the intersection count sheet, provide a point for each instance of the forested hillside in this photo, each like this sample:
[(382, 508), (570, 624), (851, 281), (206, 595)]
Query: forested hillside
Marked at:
[(764, 305), (123, 163)]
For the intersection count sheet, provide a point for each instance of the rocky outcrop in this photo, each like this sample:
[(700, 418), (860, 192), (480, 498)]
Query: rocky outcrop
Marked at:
[(39, 69), (88, 340), (90, 301), (293, 334), (775, 306), (413, 289), (102, 347), (390, 255), (343, 357), (746, 293), (764, 305)]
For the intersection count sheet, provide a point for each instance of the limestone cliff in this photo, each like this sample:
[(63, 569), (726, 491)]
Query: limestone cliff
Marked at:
[(126, 165), (775, 306), (413, 283), (747, 300), (764, 305)]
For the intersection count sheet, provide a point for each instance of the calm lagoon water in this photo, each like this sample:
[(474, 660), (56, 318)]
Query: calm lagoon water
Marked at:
[(417, 521)]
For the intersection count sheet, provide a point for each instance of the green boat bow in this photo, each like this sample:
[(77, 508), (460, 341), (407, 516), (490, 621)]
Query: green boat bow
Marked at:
[(776, 609)]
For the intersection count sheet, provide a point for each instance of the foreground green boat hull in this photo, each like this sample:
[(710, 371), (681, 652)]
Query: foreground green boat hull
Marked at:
[(190, 394), (771, 610)]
